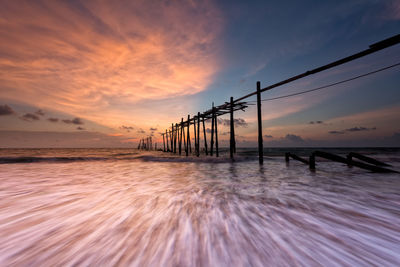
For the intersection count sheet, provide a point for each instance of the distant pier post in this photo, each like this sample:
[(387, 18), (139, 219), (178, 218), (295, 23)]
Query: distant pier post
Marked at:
[(180, 137), (172, 138), (195, 134), (189, 145), (184, 136), (175, 136), (259, 119), (212, 130), (166, 139), (163, 141), (171, 141), (312, 161), (198, 134), (216, 135), (205, 136), (232, 139)]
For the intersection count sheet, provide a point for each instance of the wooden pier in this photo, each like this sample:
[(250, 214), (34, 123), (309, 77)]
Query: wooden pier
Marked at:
[(175, 138)]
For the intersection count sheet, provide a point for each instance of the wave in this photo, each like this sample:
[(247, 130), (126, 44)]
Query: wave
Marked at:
[(8, 160), (147, 158)]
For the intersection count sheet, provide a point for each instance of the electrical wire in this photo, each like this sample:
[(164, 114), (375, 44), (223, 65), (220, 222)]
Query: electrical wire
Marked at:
[(332, 84)]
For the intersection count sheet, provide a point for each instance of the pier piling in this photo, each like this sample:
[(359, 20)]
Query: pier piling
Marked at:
[(259, 120)]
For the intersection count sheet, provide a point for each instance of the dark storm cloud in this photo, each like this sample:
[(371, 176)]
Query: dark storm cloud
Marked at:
[(53, 119), (30, 117), (77, 121), (238, 122), (6, 110), (40, 112)]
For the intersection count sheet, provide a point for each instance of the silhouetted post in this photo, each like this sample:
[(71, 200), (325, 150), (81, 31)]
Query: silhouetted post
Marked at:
[(260, 137), (198, 133), (287, 156), (184, 139), (166, 137), (312, 162), (205, 136), (180, 137), (232, 140), (189, 145), (175, 136), (171, 141), (172, 138), (212, 129), (195, 135), (216, 135), (163, 141)]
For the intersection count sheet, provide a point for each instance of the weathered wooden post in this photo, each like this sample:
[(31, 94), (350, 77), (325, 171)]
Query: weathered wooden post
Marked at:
[(260, 137), (195, 134), (180, 137), (171, 135), (232, 140), (287, 156), (212, 129), (163, 141), (183, 133), (189, 145), (175, 136), (312, 162), (205, 136), (198, 133), (216, 135), (172, 138), (166, 137)]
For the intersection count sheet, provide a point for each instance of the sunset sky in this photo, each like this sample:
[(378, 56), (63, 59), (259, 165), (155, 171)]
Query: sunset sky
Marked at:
[(107, 73)]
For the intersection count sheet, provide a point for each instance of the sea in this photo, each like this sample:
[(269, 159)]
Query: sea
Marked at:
[(127, 207)]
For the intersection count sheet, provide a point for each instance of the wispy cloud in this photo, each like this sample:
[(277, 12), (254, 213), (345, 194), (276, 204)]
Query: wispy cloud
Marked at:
[(126, 128), (77, 121), (40, 112), (30, 117), (316, 122), (353, 129), (53, 119), (239, 122)]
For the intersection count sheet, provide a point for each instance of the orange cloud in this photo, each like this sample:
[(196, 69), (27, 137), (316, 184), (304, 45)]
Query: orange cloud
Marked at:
[(91, 58)]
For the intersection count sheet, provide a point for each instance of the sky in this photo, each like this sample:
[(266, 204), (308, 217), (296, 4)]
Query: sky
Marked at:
[(108, 73)]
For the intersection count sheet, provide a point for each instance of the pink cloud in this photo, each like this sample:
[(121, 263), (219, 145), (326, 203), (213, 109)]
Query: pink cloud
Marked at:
[(89, 59)]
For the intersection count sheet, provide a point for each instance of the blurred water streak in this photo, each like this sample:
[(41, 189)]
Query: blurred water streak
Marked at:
[(125, 208)]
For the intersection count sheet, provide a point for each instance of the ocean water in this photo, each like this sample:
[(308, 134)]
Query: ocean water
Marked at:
[(80, 207)]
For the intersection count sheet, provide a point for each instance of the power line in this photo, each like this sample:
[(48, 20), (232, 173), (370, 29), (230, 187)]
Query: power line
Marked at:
[(332, 84)]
